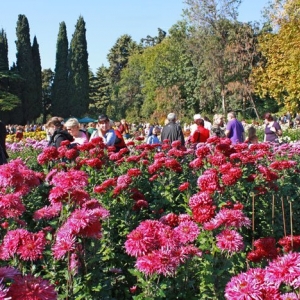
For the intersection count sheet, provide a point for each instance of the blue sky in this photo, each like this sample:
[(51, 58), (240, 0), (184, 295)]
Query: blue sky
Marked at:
[(106, 21)]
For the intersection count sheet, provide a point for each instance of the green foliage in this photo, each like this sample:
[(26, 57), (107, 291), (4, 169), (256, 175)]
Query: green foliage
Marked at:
[(60, 100), (78, 80), (27, 70)]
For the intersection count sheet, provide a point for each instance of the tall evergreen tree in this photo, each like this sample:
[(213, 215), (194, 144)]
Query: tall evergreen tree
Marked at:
[(3, 51), (99, 91), (59, 93), (47, 80), (38, 107), (8, 100), (79, 71), (25, 67)]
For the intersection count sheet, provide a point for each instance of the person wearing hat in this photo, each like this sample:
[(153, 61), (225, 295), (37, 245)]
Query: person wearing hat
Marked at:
[(172, 131), (105, 131)]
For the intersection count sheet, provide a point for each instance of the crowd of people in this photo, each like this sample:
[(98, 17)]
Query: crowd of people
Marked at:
[(117, 133)]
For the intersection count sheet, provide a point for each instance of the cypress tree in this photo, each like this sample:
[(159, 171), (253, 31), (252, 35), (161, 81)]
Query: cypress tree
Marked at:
[(26, 71), (8, 100), (38, 107), (59, 93), (79, 71), (3, 51)]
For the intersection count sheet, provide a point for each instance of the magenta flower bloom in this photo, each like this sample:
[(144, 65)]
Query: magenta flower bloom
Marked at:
[(285, 269), (230, 241), (228, 218), (29, 246), (70, 180), (243, 287), (65, 242), (187, 231)]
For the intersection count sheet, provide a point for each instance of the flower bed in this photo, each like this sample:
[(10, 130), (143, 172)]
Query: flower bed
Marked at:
[(218, 222)]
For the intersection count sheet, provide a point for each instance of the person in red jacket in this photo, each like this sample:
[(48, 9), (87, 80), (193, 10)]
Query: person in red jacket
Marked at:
[(201, 134)]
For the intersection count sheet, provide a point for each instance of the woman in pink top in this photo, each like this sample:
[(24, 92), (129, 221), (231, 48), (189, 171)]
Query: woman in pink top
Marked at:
[(73, 127)]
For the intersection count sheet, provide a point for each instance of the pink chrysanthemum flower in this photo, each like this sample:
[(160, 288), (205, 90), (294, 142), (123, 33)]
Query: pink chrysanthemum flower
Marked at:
[(124, 181), (11, 206), (29, 246), (70, 180), (94, 163), (29, 287), (243, 286), (143, 239), (289, 296), (285, 269), (159, 261), (65, 242), (228, 218), (32, 246), (187, 231), (230, 241), (232, 176)]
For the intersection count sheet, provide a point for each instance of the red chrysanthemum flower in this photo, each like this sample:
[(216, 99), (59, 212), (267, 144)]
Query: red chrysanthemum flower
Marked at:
[(184, 186), (170, 219), (29, 287), (140, 204), (202, 151), (176, 144), (197, 163), (290, 243), (134, 172), (209, 181), (217, 159), (283, 164), (265, 248)]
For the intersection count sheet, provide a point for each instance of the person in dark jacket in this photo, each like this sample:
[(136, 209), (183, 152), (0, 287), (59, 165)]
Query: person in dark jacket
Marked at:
[(172, 131), (3, 153), (56, 132)]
